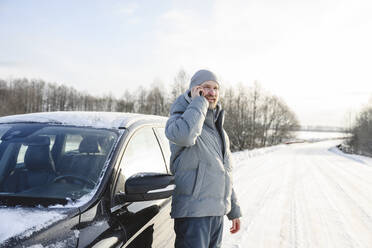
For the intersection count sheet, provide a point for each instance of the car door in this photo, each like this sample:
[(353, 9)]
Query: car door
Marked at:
[(146, 223)]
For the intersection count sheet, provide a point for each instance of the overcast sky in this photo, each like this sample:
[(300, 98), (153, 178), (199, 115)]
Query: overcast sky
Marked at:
[(315, 54)]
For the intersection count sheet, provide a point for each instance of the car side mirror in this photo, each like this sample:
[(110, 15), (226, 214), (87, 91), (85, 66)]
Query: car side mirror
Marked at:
[(147, 186)]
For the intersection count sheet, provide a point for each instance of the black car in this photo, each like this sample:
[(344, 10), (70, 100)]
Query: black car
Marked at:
[(85, 179)]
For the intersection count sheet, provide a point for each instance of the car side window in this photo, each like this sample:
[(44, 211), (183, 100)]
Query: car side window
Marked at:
[(142, 154), (160, 133)]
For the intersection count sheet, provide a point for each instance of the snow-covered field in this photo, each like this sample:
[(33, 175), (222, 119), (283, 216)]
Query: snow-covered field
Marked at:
[(302, 195)]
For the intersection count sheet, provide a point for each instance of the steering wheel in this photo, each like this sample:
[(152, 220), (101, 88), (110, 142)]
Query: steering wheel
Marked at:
[(71, 178)]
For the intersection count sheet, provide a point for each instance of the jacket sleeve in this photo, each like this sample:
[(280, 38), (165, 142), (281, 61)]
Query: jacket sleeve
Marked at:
[(184, 126), (235, 211)]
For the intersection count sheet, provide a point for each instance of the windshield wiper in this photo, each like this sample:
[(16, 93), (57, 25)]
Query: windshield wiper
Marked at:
[(12, 199)]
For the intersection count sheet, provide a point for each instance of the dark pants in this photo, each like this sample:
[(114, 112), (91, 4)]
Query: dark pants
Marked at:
[(198, 232)]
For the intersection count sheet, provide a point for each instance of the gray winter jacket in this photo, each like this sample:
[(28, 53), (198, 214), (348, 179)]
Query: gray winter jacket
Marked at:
[(202, 173)]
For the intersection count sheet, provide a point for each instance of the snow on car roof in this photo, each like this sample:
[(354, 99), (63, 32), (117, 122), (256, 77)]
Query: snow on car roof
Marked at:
[(83, 118)]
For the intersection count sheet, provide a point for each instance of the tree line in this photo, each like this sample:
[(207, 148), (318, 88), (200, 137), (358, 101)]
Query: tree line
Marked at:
[(254, 117), (360, 141)]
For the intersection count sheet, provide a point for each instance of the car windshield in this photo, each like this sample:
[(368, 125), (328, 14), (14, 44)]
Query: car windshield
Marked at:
[(52, 161)]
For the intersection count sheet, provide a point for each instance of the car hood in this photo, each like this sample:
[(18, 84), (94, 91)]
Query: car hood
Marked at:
[(23, 222)]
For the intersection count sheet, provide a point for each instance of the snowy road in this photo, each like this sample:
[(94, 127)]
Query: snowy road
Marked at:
[(303, 195)]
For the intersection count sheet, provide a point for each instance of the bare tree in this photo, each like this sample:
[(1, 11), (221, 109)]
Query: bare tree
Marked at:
[(126, 103), (157, 98), (361, 139), (141, 105), (179, 85), (255, 118), (4, 93)]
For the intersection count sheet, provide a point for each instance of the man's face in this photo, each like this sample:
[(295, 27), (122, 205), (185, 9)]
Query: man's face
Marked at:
[(211, 92)]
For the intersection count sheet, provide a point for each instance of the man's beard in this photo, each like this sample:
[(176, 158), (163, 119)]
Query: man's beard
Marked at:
[(212, 105)]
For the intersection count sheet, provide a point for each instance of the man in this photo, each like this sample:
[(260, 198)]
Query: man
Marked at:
[(201, 164)]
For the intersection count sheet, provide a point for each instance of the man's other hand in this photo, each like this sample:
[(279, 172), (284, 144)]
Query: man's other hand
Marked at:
[(235, 225)]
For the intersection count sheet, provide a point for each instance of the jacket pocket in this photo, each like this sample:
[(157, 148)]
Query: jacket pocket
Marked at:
[(185, 181), (199, 179), (214, 181)]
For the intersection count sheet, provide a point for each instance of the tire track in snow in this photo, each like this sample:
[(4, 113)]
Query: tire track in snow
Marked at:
[(352, 172), (262, 179), (327, 215), (353, 214), (293, 231), (357, 194), (349, 213)]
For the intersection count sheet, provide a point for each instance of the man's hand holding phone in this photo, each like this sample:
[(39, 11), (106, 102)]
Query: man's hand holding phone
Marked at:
[(197, 91)]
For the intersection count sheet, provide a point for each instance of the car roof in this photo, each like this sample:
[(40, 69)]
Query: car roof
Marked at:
[(112, 120)]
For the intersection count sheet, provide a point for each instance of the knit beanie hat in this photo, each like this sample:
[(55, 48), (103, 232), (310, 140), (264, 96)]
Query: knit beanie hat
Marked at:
[(202, 76)]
